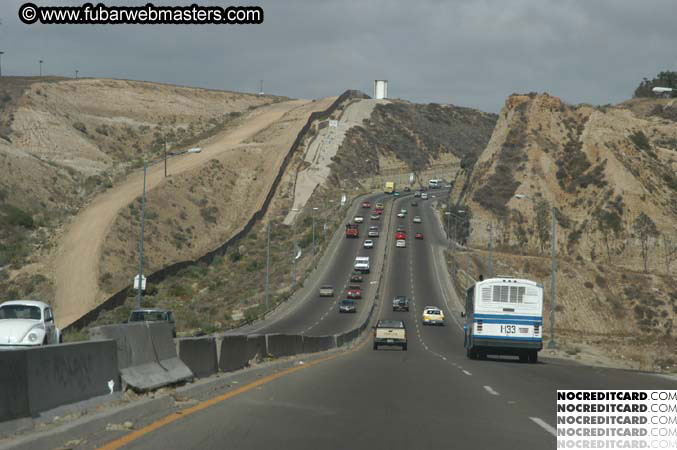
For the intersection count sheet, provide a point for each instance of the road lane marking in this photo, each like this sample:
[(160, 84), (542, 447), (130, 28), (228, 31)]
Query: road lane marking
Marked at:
[(466, 372), (544, 425), (490, 390)]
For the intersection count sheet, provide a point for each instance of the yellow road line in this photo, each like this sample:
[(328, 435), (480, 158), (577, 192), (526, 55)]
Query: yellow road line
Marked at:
[(177, 415)]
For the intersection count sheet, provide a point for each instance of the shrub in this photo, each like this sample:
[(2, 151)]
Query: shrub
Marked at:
[(15, 216), (80, 127)]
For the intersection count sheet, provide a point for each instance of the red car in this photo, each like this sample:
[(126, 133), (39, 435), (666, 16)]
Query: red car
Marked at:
[(378, 211), (354, 291), (419, 235), (366, 204), (400, 235)]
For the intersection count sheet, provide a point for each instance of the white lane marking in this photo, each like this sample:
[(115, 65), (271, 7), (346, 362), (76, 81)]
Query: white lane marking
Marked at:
[(467, 373), (490, 390), (544, 425)]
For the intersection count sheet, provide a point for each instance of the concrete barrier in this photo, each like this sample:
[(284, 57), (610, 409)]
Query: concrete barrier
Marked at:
[(37, 379), (284, 344), (199, 354), (313, 344), (236, 352), (146, 354)]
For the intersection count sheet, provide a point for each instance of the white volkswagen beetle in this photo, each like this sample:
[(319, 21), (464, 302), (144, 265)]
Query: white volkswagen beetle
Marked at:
[(27, 322)]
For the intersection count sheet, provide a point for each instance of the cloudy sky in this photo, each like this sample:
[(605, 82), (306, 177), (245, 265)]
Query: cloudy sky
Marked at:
[(466, 52)]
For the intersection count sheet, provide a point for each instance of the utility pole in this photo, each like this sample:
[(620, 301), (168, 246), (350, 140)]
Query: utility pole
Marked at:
[(268, 270), (1, 53), (551, 344), (293, 247), (165, 158), (314, 251), (491, 250), (41, 61), (76, 73), (143, 208)]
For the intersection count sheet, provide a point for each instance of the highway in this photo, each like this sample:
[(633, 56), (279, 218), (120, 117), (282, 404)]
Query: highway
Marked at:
[(428, 397)]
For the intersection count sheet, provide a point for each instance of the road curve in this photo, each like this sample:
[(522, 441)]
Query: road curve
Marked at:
[(429, 397), (77, 257)]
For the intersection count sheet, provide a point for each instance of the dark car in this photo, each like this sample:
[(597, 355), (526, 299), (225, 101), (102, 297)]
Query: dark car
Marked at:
[(414, 203), (153, 315), (407, 189), (347, 306), (419, 236), (356, 278), (400, 303), (400, 229)]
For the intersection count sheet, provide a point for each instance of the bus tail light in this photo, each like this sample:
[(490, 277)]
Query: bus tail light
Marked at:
[(479, 326), (537, 329)]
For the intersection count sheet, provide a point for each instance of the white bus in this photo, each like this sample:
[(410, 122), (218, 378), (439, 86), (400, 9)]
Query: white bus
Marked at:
[(504, 316), (433, 184)]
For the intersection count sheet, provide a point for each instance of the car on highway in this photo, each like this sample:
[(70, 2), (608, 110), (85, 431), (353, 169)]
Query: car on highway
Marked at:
[(354, 291), (417, 194), (27, 323), (396, 193), (407, 189), (400, 215), (424, 196), (433, 316), (378, 211), (400, 235), (378, 205), (327, 290), (417, 219), (358, 219), (348, 306), (418, 236), (373, 231), (153, 315), (356, 277), (400, 303), (414, 203), (403, 210), (368, 243), (400, 243), (366, 205), (400, 228), (375, 216), (362, 264), (390, 333), (194, 150)]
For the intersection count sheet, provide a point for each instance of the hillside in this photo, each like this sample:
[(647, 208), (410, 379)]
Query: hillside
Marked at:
[(63, 142), (430, 140), (610, 174)]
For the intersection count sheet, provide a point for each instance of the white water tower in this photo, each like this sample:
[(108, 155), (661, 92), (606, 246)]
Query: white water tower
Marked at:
[(380, 89)]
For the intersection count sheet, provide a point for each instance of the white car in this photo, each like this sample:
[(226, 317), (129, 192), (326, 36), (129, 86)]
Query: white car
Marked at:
[(359, 219), (424, 196), (400, 243), (373, 232), (400, 215), (27, 322), (433, 316), (368, 243), (194, 150), (417, 219)]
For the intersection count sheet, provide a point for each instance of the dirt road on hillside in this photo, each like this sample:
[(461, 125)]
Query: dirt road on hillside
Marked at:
[(76, 263)]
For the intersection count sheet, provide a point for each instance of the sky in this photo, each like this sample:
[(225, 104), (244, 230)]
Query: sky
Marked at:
[(472, 53)]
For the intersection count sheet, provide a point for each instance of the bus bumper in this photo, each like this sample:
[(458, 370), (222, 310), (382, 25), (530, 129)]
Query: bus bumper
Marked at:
[(505, 345)]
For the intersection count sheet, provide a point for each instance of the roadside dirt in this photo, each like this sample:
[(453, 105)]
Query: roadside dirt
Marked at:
[(76, 262)]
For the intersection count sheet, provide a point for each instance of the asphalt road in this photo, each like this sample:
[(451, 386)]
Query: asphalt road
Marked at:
[(428, 397)]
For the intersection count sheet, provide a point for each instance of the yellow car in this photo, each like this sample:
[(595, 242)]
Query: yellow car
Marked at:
[(433, 315)]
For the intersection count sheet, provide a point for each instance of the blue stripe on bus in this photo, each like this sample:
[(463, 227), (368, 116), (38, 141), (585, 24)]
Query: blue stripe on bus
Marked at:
[(506, 316), (512, 338), (511, 321)]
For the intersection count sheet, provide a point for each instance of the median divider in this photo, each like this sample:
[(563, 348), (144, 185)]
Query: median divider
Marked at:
[(146, 354), (284, 344), (313, 344), (237, 352), (37, 379), (199, 354)]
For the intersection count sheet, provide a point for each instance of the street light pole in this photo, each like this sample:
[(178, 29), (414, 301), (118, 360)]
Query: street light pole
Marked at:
[(1, 53), (293, 247), (268, 269), (76, 73), (491, 249), (314, 209), (551, 345), (165, 158), (41, 67), (143, 209)]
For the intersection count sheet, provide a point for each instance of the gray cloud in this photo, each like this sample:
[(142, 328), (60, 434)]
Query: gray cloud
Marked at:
[(470, 53)]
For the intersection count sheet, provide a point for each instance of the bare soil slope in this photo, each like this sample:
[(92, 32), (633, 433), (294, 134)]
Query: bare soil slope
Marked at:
[(601, 168)]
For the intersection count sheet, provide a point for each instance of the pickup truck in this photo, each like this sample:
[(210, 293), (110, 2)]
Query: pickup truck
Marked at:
[(352, 231), (391, 333), (326, 291), (362, 264)]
